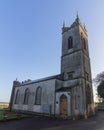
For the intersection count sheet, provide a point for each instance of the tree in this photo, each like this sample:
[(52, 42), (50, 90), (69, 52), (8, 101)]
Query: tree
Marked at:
[(99, 82), (100, 89), (99, 78)]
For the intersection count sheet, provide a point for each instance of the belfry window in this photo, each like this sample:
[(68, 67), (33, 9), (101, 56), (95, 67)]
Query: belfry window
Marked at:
[(84, 44), (17, 97), (70, 43), (38, 96), (83, 41), (26, 97)]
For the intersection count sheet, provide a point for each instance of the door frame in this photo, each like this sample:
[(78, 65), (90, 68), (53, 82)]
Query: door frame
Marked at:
[(64, 97)]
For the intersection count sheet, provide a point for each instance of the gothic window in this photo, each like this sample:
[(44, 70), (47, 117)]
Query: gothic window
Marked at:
[(81, 38), (38, 96), (83, 41), (88, 95), (17, 97), (26, 97), (84, 44), (70, 43)]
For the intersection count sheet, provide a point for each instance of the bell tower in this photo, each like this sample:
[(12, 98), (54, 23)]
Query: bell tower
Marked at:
[(75, 64), (75, 51)]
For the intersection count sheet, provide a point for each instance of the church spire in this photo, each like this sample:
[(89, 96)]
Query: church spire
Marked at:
[(77, 18), (77, 15), (63, 24), (84, 27)]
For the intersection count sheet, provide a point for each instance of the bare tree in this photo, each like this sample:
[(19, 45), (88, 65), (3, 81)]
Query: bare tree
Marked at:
[(99, 83), (99, 78)]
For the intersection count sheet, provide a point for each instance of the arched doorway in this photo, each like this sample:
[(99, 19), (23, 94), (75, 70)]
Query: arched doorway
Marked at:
[(63, 106)]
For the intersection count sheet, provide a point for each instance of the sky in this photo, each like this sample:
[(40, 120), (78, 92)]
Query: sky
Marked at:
[(31, 37)]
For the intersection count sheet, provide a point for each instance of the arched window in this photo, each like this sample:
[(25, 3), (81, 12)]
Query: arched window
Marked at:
[(84, 44), (83, 41), (17, 97), (70, 43), (26, 97), (38, 96), (88, 95), (81, 38)]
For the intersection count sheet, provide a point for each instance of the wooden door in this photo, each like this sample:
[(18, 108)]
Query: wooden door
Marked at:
[(63, 106)]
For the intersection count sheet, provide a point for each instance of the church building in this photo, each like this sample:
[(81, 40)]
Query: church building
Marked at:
[(68, 94)]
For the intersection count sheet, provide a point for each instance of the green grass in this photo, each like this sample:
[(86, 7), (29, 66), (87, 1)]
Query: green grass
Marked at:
[(9, 116), (1, 115), (100, 104)]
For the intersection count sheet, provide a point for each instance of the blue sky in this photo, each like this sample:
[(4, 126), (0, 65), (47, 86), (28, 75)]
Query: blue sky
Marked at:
[(30, 37)]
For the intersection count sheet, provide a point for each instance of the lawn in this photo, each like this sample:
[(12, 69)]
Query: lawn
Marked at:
[(7, 115), (1, 115), (100, 106)]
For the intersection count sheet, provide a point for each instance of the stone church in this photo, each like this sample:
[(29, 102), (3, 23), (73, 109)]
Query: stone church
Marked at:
[(68, 94)]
